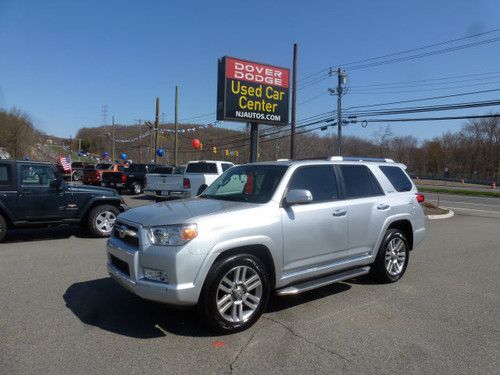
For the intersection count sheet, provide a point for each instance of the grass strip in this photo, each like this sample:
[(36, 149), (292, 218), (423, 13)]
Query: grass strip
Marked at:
[(475, 193)]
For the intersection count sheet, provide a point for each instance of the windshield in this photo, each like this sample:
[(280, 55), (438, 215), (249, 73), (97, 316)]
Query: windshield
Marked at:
[(247, 183), (202, 167)]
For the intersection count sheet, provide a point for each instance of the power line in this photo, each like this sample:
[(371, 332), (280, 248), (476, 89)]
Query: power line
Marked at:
[(424, 99), (445, 118)]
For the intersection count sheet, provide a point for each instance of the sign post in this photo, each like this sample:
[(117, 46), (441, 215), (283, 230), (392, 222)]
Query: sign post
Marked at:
[(252, 92)]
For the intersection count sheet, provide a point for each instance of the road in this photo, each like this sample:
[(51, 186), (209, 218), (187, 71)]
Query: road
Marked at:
[(61, 313), (467, 205)]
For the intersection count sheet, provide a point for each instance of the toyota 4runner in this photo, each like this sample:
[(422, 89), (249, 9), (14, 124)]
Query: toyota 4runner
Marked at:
[(284, 227)]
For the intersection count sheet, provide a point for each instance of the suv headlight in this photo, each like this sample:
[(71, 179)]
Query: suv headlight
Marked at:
[(172, 235)]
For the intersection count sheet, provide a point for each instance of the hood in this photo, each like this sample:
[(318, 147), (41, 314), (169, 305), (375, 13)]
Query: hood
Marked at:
[(91, 190), (180, 211)]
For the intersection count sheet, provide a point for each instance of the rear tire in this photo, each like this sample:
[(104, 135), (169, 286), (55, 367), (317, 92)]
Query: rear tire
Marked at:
[(235, 293), (392, 257), (201, 189), (102, 219), (3, 228)]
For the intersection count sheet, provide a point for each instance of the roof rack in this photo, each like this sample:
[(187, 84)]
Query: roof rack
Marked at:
[(359, 158)]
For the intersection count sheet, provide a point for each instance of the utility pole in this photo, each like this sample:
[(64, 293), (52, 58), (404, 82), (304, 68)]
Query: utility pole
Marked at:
[(113, 134), (176, 141), (339, 91), (140, 140), (79, 147), (254, 141), (294, 101), (157, 125)]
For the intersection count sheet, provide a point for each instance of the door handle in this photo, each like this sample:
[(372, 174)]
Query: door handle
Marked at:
[(383, 206), (339, 212)]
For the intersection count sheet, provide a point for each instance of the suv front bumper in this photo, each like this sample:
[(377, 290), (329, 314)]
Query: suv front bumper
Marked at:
[(128, 275)]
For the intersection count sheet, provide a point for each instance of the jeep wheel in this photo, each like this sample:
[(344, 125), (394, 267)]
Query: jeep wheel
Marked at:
[(3, 228), (136, 188), (392, 258), (201, 189), (235, 293), (101, 220)]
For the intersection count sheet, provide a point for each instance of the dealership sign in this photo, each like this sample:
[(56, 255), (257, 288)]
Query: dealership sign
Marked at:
[(252, 92)]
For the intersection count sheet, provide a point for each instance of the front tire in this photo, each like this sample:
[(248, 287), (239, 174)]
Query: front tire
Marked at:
[(102, 219), (235, 293), (3, 228), (392, 258)]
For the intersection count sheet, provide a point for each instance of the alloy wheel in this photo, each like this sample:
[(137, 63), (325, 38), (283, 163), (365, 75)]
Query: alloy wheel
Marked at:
[(395, 256), (239, 294), (105, 221)]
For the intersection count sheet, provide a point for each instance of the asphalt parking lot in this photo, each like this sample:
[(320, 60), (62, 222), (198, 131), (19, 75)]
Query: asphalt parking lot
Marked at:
[(61, 313)]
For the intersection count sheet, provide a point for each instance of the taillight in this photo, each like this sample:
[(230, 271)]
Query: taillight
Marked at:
[(186, 184), (124, 177), (420, 197)]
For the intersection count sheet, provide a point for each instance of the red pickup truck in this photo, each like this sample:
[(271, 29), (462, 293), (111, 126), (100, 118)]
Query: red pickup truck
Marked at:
[(92, 175)]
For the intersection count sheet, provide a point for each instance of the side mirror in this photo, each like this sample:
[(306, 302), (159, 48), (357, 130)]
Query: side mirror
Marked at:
[(298, 196)]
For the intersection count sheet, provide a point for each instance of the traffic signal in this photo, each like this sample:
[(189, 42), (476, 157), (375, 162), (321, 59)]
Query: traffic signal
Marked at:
[(236, 153), (214, 149), (227, 152)]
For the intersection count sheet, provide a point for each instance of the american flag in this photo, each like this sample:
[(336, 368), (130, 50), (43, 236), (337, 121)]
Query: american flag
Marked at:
[(66, 163)]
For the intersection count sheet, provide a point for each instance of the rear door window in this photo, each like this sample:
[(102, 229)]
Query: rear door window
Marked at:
[(318, 179), (359, 182), (397, 177), (208, 168)]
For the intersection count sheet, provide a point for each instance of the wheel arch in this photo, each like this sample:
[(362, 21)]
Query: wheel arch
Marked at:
[(405, 226), (98, 202), (260, 251)]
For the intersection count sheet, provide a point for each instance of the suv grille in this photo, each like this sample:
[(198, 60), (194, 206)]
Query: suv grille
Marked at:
[(126, 233), (120, 265)]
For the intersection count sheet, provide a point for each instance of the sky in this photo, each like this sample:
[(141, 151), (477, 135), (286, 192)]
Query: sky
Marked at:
[(61, 61)]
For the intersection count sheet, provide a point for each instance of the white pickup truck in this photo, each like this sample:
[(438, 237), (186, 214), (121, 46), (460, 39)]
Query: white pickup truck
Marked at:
[(197, 176)]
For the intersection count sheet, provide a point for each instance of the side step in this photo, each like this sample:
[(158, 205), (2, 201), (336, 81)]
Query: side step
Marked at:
[(326, 280)]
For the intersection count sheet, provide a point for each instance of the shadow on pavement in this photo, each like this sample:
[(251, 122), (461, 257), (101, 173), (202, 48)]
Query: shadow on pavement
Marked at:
[(103, 303), (57, 232)]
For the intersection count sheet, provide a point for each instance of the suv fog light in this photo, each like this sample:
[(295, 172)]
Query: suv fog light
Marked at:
[(155, 275)]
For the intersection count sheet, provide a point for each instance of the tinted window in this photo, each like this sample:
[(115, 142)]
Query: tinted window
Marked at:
[(226, 166), (4, 175), (318, 179), (209, 168), (137, 168), (359, 182), (247, 183), (77, 164), (90, 167), (163, 170), (397, 178), (103, 166)]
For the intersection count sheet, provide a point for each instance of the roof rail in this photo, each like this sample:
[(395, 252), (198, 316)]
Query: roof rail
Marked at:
[(359, 158)]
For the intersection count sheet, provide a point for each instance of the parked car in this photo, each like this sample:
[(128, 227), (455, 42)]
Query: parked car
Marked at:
[(133, 179), (92, 175), (285, 227), (197, 176), (34, 193)]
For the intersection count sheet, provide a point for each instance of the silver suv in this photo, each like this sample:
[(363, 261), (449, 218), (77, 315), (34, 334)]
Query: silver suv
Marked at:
[(283, 227)]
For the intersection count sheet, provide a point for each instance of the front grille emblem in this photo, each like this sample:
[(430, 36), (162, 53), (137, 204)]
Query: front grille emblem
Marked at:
[(122, 231)]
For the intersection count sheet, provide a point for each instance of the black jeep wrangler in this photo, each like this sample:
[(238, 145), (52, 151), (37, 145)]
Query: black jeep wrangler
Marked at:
[(35, 193)]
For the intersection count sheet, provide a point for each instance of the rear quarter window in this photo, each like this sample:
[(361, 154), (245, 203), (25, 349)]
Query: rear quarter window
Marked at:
[(5, 175), (397, 178), (359, 182)]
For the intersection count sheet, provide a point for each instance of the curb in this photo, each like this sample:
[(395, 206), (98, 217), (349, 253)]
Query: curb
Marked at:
[(443, 216)]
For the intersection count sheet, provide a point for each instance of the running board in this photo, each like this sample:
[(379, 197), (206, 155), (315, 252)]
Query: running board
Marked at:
[(326, 280)]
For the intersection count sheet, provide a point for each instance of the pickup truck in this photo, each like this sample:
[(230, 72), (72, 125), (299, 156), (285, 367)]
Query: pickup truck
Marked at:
[(197, 176), (92, 175), (35, 194), (133, 179)]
